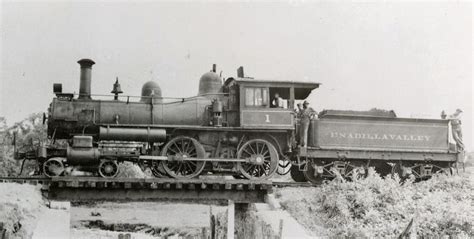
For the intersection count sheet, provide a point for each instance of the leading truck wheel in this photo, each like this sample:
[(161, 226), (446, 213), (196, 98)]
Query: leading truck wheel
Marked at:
[(311, 174), (180, 148), (262, 159), (53, 167), (108, 169)]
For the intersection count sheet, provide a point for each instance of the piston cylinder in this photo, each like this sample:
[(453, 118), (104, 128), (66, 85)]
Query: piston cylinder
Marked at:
[(82, 156), (82, 151), (132, 134)]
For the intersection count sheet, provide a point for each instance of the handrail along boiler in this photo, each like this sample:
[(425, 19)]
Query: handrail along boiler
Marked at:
[(228, 128)]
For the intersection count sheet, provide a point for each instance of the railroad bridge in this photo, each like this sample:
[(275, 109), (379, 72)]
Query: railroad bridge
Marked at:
[(79, 189), (237, 194)]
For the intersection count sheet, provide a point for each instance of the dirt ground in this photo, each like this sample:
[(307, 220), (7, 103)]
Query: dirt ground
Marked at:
[(101, 234), (144, 218), (20, 207)]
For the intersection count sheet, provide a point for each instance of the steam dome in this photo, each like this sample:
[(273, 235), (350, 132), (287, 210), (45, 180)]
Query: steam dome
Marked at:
[(150, 88), (209, 83)]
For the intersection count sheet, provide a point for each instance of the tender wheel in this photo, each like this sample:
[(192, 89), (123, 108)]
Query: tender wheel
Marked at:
[(262, 159), (297, 175), (383, 169), (53, 167), (311, 175), (450, 171), (355, 170), (183, 147), (397, 170), (108, 169)]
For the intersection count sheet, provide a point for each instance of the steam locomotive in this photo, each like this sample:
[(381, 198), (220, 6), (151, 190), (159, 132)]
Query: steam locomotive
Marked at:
[(230, 128)]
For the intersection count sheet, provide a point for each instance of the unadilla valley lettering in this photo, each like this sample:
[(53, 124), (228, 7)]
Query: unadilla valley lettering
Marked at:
[(399, 137)]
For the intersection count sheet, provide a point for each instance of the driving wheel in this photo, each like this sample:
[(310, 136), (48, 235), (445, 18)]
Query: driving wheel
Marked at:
[(261, 159), (181, 148)]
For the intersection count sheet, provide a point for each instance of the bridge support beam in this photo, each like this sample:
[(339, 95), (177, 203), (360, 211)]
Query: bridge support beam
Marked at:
[(231, 220), (237, 216)]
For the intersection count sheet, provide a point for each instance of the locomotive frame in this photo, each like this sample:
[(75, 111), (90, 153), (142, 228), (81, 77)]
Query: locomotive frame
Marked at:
[(216, 131)]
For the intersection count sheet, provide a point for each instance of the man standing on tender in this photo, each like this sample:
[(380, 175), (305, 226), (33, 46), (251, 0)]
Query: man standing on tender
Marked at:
[(306, 114), (455, 120)]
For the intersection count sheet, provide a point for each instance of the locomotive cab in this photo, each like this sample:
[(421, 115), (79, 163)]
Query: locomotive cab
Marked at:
[(257, 104)]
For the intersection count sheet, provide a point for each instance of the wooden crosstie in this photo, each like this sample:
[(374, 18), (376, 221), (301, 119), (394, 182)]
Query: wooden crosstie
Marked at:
[(134, 189)]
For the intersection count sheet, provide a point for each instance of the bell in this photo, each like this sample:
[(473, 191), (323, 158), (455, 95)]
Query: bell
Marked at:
[(116, 90)]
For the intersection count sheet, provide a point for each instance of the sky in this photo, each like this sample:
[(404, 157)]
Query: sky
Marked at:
[(413, 58)]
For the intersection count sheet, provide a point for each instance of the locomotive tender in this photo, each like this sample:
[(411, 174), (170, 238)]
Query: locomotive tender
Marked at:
[(230, 128)]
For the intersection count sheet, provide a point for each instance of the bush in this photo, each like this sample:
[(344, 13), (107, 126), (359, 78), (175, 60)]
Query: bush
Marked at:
[(130, 170), (30, 130), (20, 208), (382, 207)]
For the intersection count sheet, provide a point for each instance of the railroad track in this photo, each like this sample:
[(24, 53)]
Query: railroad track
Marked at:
[(29, 180), (142, 189), (75, 180)]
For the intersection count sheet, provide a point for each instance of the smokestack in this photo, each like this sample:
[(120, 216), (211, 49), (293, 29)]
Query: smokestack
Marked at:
[(240, 72), (85, 82)]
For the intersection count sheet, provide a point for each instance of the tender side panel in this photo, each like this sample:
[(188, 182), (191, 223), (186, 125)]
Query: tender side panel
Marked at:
[(406, 135)]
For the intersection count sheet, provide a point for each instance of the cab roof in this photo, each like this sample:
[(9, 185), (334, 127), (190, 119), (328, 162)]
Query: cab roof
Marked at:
[(302, 88)]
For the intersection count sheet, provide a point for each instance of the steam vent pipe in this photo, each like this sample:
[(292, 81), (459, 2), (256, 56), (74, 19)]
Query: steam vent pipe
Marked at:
[(85, 83)]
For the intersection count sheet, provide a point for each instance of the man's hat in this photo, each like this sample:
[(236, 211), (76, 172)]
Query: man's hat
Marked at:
[(305, 103)]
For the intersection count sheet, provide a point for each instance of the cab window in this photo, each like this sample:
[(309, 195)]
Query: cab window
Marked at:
[(255, 96)]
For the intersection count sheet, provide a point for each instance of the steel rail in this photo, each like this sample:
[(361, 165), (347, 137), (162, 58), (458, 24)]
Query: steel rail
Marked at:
[(293, 184)]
